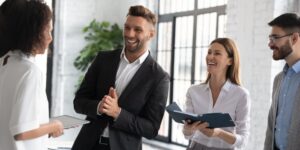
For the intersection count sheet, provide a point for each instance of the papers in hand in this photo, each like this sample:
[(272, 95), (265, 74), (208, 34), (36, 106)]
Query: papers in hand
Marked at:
[(69, 121), (215, 120)]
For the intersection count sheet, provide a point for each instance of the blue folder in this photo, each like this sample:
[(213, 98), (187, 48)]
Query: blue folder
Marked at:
[(215, 120)]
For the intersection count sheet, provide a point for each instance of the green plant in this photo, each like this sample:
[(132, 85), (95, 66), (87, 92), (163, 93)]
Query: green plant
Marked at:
[(100, 36)]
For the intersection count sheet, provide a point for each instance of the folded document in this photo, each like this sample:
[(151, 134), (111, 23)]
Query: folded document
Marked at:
[(215, 120)]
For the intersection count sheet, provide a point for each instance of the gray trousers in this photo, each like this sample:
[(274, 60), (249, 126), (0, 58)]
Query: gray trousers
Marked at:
[(197, 146)]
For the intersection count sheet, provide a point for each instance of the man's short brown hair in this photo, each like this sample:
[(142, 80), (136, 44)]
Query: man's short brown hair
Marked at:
[(141, 11)]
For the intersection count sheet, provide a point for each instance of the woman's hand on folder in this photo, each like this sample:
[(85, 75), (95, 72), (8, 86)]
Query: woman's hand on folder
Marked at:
[(220, 133), (190, 128)]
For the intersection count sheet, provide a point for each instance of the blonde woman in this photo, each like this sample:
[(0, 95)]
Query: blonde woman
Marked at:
[(221, 92)]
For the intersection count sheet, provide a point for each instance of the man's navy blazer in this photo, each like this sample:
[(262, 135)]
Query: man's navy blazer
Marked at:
[(143, 103)]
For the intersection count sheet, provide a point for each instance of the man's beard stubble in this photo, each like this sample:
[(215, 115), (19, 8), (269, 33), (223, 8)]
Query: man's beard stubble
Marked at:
[(282, 52)]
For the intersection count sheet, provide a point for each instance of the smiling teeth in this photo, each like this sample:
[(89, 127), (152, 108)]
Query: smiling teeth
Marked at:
[(131, 41), (210, 63)]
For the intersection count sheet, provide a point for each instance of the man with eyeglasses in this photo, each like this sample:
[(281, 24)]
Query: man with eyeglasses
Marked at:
[(283, 130)]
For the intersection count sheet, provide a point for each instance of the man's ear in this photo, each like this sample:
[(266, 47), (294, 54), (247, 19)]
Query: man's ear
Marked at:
[(152, 33), (295, 38)]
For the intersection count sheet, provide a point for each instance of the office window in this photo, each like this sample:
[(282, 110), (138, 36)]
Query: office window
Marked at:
[(185, 30), (164, 57)]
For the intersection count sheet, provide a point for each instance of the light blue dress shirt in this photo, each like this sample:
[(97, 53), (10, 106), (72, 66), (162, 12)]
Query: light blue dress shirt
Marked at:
[(289, 86)]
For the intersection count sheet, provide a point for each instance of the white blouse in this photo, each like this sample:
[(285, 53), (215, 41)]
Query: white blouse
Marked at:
[(23, 102), (233, 99)]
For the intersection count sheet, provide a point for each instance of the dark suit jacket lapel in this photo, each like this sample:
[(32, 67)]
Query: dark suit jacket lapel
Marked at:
[(138, 77), (108, 74), (113, 68)]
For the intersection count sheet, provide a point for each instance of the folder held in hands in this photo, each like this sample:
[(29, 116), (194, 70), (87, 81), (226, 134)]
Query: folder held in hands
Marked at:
[(215, 120)]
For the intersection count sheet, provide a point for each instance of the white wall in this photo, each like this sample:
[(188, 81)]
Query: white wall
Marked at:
[(247, 25)]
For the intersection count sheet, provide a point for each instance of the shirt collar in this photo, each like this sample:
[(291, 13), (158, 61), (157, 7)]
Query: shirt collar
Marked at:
[(295, 67), (225, 87), (140, 60), (19, 53)]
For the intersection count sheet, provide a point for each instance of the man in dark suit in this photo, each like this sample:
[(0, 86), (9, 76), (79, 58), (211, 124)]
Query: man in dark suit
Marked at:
[(124, 92)]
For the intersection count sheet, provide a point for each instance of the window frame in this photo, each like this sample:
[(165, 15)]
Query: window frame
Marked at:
[(171, 18)]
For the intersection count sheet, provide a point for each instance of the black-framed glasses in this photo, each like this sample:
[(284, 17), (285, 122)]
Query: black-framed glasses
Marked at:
[(273, 38)]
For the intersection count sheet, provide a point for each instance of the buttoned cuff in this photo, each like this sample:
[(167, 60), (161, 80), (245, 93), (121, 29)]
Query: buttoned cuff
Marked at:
[(237, 142)]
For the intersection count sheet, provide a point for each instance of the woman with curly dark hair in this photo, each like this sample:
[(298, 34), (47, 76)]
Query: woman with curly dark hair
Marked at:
[(24, 111)]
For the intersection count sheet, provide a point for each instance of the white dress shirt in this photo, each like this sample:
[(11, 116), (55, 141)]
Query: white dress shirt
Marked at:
[(125, 73), (127, 70), (23, 102), (233, 99)]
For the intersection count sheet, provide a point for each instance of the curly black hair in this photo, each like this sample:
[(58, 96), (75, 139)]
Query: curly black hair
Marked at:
[(25, 22)]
